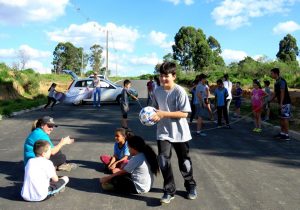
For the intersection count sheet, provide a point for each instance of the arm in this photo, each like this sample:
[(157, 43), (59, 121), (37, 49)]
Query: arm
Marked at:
[(108, 178), (122, 159), (281, 96), (164, 114), (63, 141), (112, 161)]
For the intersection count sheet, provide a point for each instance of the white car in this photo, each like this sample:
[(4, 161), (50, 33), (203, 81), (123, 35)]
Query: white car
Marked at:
[(110, 92)]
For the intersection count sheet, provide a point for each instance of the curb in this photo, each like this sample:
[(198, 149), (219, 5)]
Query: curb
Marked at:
[(2, 117)]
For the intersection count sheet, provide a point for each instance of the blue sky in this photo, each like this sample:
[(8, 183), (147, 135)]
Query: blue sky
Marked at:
[(141, 32)]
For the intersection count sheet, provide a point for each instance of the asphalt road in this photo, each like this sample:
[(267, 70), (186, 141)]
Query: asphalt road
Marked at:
[(234, 168)]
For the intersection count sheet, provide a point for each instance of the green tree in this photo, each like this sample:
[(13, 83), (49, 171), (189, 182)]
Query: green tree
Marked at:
[(95, 57), (216, 50), (288, 49), (67, 56)]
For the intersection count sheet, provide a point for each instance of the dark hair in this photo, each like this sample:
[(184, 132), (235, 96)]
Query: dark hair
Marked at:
[(122, 131), (128, 133), (167, 68), (126, 82), (238, 83), (275, 71), (202, 76), (37, 124), (256, 81), (219, 81), (226, 76), (40, 146), (52, 85), (138, 143), (157, 80), (267, 82)]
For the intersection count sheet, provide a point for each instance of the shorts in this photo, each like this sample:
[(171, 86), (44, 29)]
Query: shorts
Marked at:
[(285, 111), (201, 111), (256, 109), (124, 110), (237, 103)]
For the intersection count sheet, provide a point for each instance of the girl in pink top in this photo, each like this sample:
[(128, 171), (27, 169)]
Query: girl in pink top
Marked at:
[(257, 99)]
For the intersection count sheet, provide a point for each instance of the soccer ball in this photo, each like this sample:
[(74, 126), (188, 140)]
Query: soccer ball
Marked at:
[(146, 114)]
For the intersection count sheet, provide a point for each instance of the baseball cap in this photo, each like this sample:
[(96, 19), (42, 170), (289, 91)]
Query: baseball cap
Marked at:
[(48, 120)]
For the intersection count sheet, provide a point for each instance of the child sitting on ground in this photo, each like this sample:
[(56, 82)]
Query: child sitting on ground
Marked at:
[(137, 175), (121, 152), (38, 172)]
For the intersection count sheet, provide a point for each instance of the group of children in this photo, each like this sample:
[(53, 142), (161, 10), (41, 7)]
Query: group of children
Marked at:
[(134, 163), (200, 103)]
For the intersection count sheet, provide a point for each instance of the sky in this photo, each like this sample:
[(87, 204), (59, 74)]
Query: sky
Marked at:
[(141, 32)]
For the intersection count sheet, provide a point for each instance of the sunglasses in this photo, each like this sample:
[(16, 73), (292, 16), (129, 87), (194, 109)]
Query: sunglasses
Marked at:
[(50, 126)]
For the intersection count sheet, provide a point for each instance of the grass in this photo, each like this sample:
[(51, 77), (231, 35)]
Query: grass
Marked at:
[(7, 107)]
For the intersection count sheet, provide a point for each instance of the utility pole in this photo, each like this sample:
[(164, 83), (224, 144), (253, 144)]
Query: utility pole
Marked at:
[(106, 70)]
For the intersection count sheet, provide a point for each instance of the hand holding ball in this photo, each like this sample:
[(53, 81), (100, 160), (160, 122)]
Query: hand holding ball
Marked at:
[(146, 115)]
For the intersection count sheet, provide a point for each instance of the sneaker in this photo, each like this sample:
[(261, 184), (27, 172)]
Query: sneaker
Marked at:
[(254, 130), (107, 186), (277, 136), (228, 127), (258, 130), (67, 167), (201, 134), (192, 193), (284, 137), (166, 198)]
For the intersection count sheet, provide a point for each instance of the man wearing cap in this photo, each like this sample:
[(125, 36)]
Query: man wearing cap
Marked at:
[(41, 130)]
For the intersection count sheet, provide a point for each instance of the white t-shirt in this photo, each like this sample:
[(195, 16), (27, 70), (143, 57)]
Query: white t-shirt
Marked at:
[(38, 172), (228, 86)]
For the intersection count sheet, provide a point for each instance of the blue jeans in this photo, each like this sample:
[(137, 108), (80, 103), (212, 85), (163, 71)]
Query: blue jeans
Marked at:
[(97, 92)]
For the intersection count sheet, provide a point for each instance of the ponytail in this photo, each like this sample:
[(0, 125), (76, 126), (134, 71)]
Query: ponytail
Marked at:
[(36, 124)]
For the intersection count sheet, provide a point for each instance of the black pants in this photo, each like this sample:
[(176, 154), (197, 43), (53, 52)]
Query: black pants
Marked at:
[(49, 102), (58, 159), (124, 184), (222, 111), (184, 162), (193, 108)]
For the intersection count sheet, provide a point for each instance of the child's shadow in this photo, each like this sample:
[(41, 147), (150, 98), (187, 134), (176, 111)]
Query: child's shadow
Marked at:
[(15, 173)]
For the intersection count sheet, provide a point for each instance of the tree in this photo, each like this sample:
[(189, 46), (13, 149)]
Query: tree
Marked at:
[(288, 49), (23, 57), (95, 57), (216, 49), (67, 56)]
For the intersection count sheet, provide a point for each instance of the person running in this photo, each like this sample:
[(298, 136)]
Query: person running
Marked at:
[(51, 96), (267, 100), (221, 94), (137, 176), (257, 101), (38, 172), (124, 103), (281, 92), (121, 152), (172, 104)]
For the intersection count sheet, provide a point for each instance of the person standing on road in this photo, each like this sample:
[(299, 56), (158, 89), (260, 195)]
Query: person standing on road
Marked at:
[(97, 91), (172, 104), (201, 106), (41, 129), (228, 85), (124, 102), (281, 92), (150, 87)]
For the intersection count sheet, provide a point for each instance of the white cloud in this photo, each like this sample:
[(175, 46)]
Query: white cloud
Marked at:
[(159, 38), (28, 51), (150, 59), (237, 13), (286, 27), (186, 2), (233, 55), (22, 11), (90, 33), (38, 67)]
